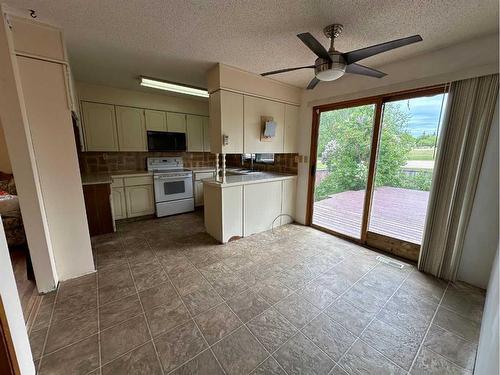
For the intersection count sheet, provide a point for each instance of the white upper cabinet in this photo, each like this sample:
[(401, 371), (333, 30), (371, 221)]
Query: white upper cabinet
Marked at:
[(99, 127), (194, 133), (257, 110), (176, 122), (131, 129), (110, 127), (155, 120), (206, 134), (226, 119), (291, 128)]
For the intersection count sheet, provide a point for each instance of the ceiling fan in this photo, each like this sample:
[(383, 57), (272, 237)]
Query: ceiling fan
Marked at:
[(332, 64)]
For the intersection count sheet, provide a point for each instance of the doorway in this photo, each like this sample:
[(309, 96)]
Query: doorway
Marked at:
[(372, 164)]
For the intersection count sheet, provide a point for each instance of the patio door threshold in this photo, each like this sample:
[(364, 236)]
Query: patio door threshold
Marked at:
[(400, 248)]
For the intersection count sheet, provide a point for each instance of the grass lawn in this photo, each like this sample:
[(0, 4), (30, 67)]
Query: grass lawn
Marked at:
[(421, 154)]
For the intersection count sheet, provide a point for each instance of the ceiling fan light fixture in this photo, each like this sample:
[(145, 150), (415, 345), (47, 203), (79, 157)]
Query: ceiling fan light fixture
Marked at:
[(330, 72)]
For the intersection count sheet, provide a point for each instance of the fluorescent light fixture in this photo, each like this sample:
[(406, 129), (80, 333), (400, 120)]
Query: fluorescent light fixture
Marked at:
[(169, 86)]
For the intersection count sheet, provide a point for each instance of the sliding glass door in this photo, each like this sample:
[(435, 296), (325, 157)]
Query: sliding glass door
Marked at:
[(371, 168), (343, 155), (405, 162)]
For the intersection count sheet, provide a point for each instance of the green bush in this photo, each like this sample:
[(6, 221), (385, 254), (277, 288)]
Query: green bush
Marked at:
[(344, 143)]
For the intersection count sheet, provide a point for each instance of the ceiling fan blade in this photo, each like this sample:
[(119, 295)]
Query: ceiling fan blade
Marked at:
[(313, 83), (364, 70), (314, 45), (363, 53), (286, 70)]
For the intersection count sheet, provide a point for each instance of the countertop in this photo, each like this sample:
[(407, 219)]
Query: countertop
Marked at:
[(106, 177), (252, 178), (202, 169)]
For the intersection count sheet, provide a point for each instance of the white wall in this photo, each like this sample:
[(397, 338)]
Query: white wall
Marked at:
[(440, 66), (481, 238), (158, 100), (13, 311), (487, 353), (4, 154)]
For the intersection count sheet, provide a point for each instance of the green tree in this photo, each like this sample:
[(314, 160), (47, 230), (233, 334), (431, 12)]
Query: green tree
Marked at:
[(344, 147)]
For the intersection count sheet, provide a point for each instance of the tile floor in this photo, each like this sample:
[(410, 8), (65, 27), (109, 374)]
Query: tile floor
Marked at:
[(168, 300)]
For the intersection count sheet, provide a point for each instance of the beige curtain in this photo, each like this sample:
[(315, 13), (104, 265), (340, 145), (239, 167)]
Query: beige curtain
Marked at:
[(466, 125)]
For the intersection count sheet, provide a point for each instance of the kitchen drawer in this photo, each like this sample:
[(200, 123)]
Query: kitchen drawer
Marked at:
[(140, 180), (202, 175), (117, 182)]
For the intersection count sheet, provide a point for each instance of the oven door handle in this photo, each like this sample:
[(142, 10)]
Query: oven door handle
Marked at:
[(171, 178)]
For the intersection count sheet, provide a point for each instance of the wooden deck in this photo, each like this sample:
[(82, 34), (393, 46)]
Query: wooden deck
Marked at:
[(396, 212)]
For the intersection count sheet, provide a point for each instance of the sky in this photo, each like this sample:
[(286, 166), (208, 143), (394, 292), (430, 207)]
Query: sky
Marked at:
[(424, 112)]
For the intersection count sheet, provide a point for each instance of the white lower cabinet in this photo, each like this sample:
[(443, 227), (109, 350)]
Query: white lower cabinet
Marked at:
[(132, 196), (224, 212), (140, 200), (198, 186), (242, 210), (198, 193), (289, 196), (119, 203), (262, 206)]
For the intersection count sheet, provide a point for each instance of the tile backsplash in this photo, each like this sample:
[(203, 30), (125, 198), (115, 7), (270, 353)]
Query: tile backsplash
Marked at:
[(92, 162), (283, 163)]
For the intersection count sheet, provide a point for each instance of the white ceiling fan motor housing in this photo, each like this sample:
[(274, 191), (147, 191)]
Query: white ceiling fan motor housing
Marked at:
[(330, 70)]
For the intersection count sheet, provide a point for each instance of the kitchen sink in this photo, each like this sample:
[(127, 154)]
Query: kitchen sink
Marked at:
[(242, 171)]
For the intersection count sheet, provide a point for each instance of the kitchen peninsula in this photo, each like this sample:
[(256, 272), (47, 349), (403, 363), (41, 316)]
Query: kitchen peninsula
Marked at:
[(248, 203)]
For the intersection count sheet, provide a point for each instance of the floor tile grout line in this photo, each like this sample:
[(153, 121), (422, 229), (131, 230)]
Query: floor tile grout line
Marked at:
[(243, 323), (98, 322), (225, 301), (457, 335), (295, 291), (189, 312), (30, 329), (458, 313), (92, 334), (125, 353), (448, 359), (48, 331), (143, 310), (358, 337), (428, 328), (299, 330)]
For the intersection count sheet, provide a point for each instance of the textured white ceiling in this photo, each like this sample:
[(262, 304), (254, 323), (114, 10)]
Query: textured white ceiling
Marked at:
[(112, 42)]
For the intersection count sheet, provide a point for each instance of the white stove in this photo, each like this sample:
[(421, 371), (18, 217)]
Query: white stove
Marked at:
[(173, 186)]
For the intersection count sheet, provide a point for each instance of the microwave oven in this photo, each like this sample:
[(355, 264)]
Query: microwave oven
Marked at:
[(166, 141)]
